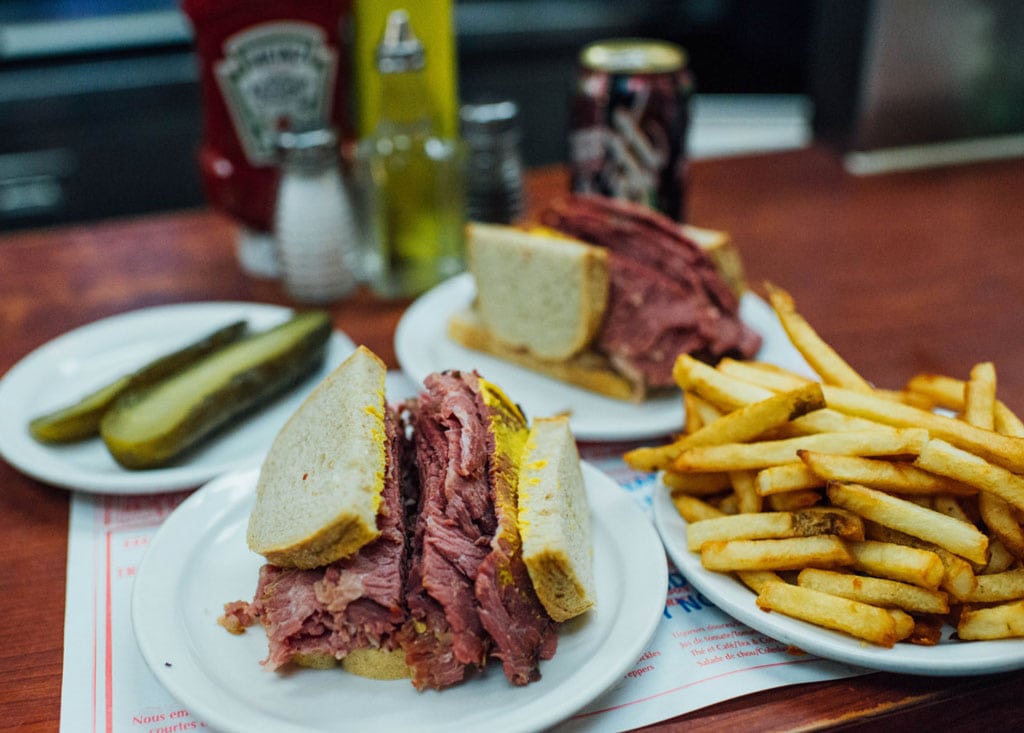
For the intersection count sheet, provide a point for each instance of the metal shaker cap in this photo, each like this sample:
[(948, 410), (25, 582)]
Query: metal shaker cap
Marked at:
[(399, 49), (308, 149), (489, 117)]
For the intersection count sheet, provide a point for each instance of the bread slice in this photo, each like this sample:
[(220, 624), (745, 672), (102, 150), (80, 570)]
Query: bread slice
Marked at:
[(554, 520), (543, 293), (377, 664), (588, 369), (320, 484)]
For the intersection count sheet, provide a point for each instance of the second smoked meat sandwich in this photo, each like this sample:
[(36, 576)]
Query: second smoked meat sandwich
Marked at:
[(605, 296)]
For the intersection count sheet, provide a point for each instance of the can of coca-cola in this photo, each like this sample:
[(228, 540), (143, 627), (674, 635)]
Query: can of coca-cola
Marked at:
[(629, 122)]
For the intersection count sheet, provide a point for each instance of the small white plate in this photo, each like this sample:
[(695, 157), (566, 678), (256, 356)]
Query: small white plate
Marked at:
[(422, 346), (198, 560), (84, 359), (948, 658)]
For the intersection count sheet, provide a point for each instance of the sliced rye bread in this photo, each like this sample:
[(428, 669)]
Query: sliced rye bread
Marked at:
[(320, 484), (539, 292), (554, 520)]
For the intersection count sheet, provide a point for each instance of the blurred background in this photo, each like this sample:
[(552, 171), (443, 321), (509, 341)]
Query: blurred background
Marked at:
[(100, 106)]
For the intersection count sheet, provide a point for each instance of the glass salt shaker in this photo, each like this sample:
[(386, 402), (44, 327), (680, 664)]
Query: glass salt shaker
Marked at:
[(494, 169), (314, 221)]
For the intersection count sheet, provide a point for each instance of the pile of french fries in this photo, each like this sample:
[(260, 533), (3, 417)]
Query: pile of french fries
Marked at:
[(883, 514)]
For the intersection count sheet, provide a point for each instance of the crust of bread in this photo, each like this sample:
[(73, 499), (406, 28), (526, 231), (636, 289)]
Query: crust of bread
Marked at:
[(377, 664), (588, 370), (554, 520), (541, 293), (321, 482), (723, 253)]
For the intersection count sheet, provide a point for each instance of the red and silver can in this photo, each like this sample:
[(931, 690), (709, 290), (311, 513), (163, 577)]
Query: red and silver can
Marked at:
[(630, 118)]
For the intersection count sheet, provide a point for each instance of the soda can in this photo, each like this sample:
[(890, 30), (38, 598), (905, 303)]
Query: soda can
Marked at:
[(629, 121)]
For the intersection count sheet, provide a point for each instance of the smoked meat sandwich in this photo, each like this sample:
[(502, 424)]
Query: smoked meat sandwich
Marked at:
[(604, 296), (417, 539)]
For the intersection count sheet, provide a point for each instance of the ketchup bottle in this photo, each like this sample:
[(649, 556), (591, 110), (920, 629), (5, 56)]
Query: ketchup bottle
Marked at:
[(265, 66)]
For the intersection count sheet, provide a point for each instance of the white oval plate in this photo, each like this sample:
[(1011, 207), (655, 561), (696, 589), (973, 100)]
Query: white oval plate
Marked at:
[(79, 361), (422, 346), (948, 658), (198, 560)]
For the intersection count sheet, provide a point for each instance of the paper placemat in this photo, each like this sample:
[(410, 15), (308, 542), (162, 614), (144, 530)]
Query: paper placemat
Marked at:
[(698, 656)]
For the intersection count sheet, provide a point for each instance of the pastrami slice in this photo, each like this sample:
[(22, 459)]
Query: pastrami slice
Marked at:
[(452, 534), (520, 628)]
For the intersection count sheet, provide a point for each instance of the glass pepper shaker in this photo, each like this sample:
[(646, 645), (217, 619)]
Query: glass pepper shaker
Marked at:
[(494, 166)]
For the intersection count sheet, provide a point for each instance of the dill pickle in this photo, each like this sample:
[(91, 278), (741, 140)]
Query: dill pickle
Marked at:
[(150, 427), (81, 420)]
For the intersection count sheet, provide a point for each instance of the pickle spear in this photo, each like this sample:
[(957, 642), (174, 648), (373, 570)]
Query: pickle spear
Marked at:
[(149, 427), (81, 420)]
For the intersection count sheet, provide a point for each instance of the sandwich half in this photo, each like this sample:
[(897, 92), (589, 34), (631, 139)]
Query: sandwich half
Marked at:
[(439, 584), (330, 519), (640, 285)]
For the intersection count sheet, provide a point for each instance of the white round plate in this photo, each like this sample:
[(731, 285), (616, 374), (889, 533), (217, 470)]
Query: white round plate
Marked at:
[(198, 560), (422, 346), (948, 658), (80, 361)]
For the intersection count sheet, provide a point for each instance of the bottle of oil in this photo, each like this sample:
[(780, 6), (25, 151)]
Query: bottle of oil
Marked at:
[(412, 175), (434, 23)]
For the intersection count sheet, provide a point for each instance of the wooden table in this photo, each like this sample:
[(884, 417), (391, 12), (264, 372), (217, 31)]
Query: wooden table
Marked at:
[(901, 273)]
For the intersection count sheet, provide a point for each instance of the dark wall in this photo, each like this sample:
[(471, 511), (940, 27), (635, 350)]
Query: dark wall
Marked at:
[(100, 132)]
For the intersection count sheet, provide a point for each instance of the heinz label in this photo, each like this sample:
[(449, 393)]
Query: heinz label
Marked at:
[(276, 76)]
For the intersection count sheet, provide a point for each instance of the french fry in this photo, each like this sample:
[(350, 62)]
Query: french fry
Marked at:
[(995, 622), (832, 368), (747, 499), (948, 393), (727, 504), (738, 426), (736, 456), (757, 579), (794, 553), (693, 509), (893, 476), (999, 558), (1007, 421), (769, 376), (898, 562), (940, 390), (691, 412), (724, 391), (980, 409), (998, 587), (857, 619), (949, 506), (1001, 521), (696, 484), (908, 398), (945, 459), (980, 396), (875, 591), (1004, 450), (706, 412), (793, 501), (777, 379), (903, 622), (775, 525), (831, 421), (787, 477), (954, 535)]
